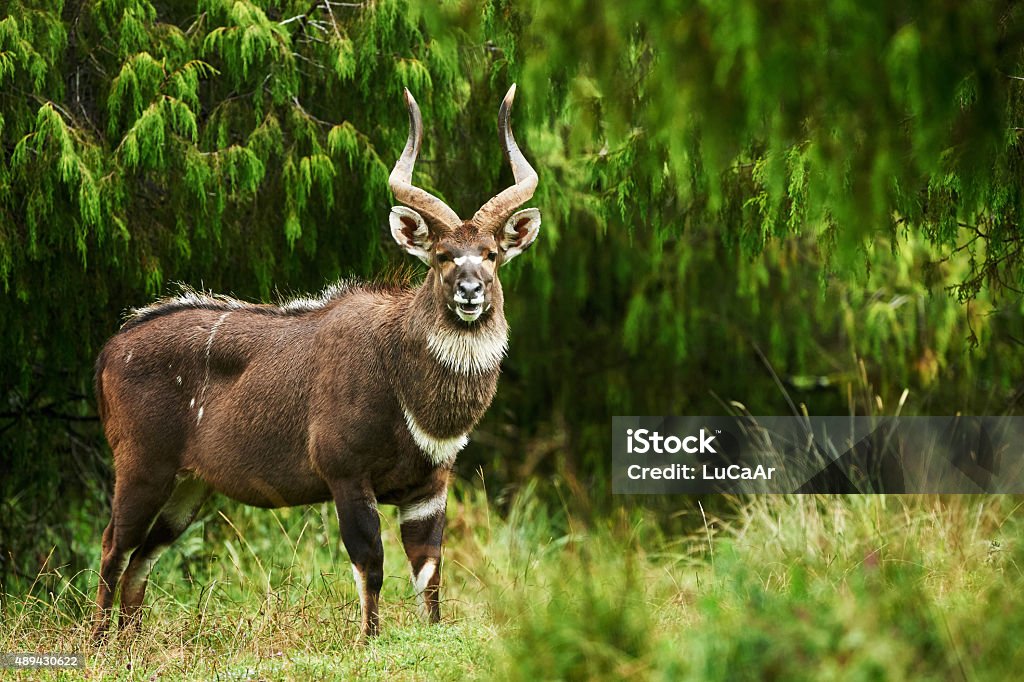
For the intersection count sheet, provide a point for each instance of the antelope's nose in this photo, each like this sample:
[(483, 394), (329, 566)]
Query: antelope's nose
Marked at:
[(471, 290)]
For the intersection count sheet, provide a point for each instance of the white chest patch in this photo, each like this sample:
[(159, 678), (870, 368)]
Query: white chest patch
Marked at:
[(473, 351), (440, 451)]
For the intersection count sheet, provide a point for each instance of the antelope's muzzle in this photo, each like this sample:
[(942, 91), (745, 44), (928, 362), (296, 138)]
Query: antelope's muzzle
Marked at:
[(469, 299)]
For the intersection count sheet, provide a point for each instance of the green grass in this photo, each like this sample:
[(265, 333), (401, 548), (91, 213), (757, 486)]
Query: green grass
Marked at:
[(872, 588)]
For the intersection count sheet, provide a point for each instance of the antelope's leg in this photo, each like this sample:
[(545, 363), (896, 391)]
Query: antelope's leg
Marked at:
[(137, 501), (176, 516), (360, 532), (422, 525)]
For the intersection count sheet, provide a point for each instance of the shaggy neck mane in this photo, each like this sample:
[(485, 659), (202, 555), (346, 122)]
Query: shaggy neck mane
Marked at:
[(470, 349), (474, 350)]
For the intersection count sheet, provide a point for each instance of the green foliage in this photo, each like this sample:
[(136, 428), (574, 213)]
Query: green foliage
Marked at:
[(728, 189)]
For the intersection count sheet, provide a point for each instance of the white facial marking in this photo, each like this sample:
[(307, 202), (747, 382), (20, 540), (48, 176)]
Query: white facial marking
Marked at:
[(470, 351), (468, 317), (424, 509), (421, 580), (459, 298), (462, 260), (440, 451)]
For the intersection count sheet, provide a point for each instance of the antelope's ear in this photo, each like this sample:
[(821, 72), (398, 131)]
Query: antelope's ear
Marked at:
[(519, 232), (410, 231)]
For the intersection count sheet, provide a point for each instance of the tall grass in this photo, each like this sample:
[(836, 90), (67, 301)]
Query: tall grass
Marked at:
[(794, 587)]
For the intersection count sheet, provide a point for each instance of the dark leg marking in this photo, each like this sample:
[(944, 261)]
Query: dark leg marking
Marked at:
[(360, 532)]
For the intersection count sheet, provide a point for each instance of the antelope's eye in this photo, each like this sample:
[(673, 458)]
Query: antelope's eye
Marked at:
[(444, 258), (492, 256)]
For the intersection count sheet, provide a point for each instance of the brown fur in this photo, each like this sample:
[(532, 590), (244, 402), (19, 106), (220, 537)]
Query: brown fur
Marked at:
[(292, 402), (363, 395)]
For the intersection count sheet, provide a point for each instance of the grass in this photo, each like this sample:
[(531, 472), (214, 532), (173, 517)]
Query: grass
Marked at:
[(869, 587)]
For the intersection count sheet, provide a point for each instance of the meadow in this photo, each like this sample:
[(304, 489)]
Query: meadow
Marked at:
[(775, 208), (774, 587)]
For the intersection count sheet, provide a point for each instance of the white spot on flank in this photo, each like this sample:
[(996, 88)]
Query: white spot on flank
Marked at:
[(199, 418), (178, 380), (440, 451), (424, 509), (470, 351), (420, 582), (192, 403), (128, 358), (475, 260)]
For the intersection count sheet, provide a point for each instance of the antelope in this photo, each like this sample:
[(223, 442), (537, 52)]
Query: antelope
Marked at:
[(363, 395)]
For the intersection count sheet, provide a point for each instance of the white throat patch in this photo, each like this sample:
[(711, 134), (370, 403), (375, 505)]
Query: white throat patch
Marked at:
[(469, 351), (440, 451)]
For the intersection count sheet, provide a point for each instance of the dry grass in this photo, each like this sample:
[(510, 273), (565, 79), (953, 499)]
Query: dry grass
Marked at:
[(779, 587)]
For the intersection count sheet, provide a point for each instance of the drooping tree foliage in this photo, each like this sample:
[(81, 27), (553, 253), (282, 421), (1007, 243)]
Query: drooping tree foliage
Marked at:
[(740, 200)]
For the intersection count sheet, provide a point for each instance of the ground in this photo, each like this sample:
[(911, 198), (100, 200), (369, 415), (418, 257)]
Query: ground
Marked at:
[(796, 587)]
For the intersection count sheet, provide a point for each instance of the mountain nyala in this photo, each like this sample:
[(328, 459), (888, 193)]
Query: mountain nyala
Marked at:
[(363, 395)]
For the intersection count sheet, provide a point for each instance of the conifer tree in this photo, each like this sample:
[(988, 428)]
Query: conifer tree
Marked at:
[(724, 186)]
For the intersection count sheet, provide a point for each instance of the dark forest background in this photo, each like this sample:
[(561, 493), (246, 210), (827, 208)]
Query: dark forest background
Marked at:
[(784, 205)]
